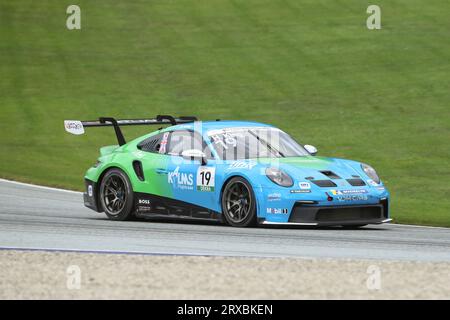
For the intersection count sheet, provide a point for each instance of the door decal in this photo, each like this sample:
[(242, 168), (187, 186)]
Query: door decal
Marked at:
[(206, 179)]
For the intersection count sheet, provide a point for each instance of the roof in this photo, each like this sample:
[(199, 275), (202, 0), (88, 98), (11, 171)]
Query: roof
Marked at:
[(205, 126), (213, 125)]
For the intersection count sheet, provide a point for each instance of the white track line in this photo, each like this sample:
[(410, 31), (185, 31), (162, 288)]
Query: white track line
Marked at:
[(77, 192), (131, 252), (417, 226), (39, 187)]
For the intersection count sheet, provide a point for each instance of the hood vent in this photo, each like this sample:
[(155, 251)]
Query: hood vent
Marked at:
[(330, 174), (324, 183), (356, 182)]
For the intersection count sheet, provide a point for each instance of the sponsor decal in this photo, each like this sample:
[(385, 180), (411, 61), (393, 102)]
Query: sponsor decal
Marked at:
[(300, 191), (74, 127), (349, 191), (162, 148), (304, 185), (142, 209), (381, 188), (181, 180), (372, 183), (225, 140), (277, 210), (90, 191), (206, 179), (242, 165), (144, 205), (359, 197), (274, 197)]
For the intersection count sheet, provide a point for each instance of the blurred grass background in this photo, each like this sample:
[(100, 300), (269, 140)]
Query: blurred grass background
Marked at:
[(309, 67)]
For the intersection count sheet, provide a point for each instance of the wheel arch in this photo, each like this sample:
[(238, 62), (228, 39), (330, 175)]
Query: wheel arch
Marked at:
[(109, 168), (234, 175), (100, 179), (102, 175)]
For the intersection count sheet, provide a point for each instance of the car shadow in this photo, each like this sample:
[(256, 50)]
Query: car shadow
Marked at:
[(187, 221), (324, 228)]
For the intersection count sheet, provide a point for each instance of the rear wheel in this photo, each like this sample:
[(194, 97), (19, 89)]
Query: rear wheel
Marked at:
[(116, 195), (239, 203)]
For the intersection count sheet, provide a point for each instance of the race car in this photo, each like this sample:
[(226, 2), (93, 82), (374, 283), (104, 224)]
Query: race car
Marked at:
[(237, 172)]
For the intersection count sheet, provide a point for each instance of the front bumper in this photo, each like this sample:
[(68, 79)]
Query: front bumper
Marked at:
[(307, 214), (323, 208), (340, 215)]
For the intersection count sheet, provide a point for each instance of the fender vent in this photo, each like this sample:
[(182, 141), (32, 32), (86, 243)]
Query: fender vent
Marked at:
[(137, 166), (324, 183)]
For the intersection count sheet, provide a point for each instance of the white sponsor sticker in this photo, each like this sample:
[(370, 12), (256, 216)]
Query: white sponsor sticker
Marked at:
[(74, 127), (206, 179), (277, 210), (304, 185), (90, 191), (300, 191)]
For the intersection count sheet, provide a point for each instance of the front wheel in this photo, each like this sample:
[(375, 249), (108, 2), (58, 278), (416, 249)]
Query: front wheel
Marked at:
[(239, 203), (116, 195)]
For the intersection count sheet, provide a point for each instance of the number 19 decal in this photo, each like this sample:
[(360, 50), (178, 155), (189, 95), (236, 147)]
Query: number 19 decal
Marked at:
[(205, 179)]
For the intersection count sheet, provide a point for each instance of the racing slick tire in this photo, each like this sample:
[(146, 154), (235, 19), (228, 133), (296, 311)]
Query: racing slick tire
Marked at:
[(239, 203), (116, 195)]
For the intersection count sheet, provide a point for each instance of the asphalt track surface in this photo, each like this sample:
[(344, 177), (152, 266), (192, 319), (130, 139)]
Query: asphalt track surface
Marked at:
[(48, 219)]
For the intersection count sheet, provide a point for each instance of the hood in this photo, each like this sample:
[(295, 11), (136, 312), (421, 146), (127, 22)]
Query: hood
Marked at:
[(320, 168), (308, 168)]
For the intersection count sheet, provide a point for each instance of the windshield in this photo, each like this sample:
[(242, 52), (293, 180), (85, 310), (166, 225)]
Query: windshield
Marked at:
[(254, 142)]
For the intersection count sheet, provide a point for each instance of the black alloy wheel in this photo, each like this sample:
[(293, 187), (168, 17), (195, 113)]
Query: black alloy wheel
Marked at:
[(238, 203), (116, 195)]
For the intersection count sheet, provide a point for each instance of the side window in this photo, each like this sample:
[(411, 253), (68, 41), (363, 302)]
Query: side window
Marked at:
[(155, 144), (184, 140)]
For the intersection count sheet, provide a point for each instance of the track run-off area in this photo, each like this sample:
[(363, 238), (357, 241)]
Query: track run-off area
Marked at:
[(33, 217)]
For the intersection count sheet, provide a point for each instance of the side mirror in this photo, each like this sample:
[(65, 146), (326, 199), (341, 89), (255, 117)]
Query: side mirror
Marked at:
[(194, 154), (311, 149)]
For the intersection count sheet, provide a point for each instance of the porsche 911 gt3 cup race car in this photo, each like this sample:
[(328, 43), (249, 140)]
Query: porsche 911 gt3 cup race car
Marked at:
[(238, 172)]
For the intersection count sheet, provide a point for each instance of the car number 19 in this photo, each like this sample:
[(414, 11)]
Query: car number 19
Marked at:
[(205, 179)]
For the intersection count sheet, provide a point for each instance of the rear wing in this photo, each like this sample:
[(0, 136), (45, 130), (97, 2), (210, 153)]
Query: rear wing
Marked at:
[(77, 127)]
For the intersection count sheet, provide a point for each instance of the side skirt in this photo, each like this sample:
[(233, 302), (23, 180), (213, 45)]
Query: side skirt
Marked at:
[(152, 206)]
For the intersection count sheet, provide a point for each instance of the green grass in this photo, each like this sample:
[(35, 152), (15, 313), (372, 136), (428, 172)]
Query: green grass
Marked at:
[(310, 67)]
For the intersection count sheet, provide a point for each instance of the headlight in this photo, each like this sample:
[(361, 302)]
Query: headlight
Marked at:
[(279, 177), (371, 173)]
